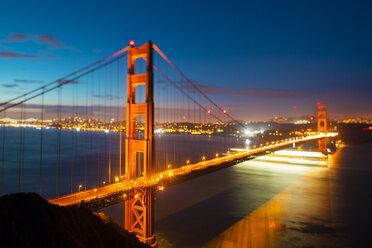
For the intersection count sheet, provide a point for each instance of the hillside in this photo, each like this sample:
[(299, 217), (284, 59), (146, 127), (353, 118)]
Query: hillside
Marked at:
[(27, 220)]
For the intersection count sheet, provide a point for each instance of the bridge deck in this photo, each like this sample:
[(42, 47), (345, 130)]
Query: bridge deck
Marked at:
[(122, 190)]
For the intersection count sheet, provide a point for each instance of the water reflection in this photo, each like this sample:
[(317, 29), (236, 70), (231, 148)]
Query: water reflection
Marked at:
[(288, 210)]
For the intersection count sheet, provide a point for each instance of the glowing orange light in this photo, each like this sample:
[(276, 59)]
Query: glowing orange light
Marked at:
[(209, 111), (131, 43), (224, 111)]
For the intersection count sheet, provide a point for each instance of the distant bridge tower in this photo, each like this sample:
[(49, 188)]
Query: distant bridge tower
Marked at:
[(139, 151), (322, 126)]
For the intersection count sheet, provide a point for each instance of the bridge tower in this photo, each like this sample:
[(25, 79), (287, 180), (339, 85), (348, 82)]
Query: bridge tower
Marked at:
[(139, 151), (322, 126)]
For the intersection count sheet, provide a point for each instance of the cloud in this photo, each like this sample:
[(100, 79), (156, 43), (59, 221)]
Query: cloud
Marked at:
[(51, 41), (16, 37), (10, 85), (28, 81), (17, 55)]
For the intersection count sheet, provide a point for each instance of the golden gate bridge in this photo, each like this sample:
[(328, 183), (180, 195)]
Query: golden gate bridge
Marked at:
[(102, 150)]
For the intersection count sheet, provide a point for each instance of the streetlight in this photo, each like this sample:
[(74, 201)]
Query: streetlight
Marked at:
[(80, 186)]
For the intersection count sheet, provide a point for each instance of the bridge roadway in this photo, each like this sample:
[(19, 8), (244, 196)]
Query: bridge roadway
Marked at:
[(104, 196)]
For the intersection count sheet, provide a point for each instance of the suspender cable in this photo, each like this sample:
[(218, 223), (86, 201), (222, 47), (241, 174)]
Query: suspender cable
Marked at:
[(20, 151), (3, 159), (41, 140), (86, 139), (120, 117), (105, 126), (72, 139), (23, 147), (58, 139)]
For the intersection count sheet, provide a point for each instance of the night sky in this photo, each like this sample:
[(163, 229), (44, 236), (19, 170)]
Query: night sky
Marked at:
[(257, 58)]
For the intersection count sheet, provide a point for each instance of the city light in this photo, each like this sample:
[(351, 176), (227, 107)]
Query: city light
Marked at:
[(131, 43)]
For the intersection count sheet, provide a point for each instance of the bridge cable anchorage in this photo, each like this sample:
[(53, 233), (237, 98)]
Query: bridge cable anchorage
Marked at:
[(157, 49)]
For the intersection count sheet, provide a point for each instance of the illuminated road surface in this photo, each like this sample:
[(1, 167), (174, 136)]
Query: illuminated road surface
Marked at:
[(108, 190)]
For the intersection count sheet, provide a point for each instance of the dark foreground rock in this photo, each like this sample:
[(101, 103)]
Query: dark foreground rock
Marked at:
[(27, 220)]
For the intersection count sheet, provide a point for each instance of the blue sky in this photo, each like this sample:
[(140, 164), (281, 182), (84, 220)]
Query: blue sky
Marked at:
[(258, 58)]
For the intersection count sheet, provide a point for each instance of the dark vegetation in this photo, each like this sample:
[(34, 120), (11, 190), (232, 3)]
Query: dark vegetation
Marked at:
[(27, 220)]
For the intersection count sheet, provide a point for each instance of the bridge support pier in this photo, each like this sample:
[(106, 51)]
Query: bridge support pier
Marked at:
[(139, 150), (139, 215)]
